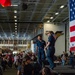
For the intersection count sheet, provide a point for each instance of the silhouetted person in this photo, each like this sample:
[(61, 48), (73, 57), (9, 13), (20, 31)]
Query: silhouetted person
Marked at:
[(28, 68), (10, 61), (4, 63)]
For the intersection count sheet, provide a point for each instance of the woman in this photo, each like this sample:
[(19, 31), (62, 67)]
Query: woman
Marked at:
[(50, 47)]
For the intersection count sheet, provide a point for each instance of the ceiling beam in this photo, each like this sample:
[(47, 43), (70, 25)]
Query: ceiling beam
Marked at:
[(59, 14), (31, 22), (20, 9), (34, 9), (53, 2), (27, 28), (10, 31), (65, 19), (9, 23), (32, 16), (3, 32), (29, 11)]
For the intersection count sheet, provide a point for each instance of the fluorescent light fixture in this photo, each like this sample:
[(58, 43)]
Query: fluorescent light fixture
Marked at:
[(51, 17), (15, 23), (56, 13), (14, 5), (16, 34), (15, 20), (62, 6), (48, 21), (15, 16), (15, 26), (15, 31), (15, 11)]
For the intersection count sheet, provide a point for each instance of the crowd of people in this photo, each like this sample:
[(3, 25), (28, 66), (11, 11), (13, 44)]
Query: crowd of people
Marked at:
[(27, 65), (30, 66), (7, 60), (68, 59), (35, 63)]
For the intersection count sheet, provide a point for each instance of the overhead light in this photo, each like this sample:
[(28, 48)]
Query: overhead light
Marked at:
[(48, 21), (15, 23), (51, 17), (15, 16), (14, 5), (15, 11), (15, 26), (62, 6), (15, 31), (56, 13), (15, 20)]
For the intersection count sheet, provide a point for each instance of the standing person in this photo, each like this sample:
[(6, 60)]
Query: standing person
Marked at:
[(10, 61), (16, 61), (63, 58), (71, 57), (40, 50), (19, 69), (0, 59), (4, 63), (50, 49), (73, 62)]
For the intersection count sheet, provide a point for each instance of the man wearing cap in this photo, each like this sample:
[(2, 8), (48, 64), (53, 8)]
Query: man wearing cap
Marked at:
[(50, 47), (40, 50)]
